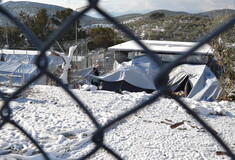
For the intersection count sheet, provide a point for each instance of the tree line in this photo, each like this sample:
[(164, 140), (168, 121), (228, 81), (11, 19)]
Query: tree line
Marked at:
[(43, 26)]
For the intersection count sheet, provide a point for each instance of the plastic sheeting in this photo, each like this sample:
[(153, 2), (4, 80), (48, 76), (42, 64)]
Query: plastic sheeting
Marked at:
[(139, 72), (30, 59), (26, 59), (24, 65), (204, 84), (27, 71)]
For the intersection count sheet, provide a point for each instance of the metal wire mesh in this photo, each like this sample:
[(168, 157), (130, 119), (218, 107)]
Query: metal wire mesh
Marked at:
[(161, 80)]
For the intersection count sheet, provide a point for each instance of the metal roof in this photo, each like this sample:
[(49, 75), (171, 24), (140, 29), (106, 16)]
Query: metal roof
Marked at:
[(167, 47)]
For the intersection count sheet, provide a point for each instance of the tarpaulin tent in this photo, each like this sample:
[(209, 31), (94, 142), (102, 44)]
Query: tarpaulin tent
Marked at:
[(24, 65), (26, 71), (135, 76), (30, 59), (203, 83), (138, 75), (129, 78)]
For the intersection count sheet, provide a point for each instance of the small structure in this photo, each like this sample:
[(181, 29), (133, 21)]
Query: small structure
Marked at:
[(167, 50)]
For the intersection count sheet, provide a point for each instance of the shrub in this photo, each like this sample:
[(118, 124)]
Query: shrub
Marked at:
[(157, 15), (225, 55)]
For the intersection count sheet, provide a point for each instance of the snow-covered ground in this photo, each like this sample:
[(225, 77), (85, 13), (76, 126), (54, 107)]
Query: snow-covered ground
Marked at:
[(160, 131), (132, 20)]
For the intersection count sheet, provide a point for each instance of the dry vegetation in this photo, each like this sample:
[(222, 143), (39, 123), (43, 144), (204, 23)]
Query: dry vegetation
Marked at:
[(187, 27)]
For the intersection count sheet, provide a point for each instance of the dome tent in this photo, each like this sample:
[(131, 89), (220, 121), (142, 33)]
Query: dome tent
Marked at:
[(134, 76), (129, 78), (203, 83)]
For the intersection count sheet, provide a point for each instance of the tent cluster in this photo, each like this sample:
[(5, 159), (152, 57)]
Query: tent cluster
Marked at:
[(138, 75), (196, 81), (23, 65)]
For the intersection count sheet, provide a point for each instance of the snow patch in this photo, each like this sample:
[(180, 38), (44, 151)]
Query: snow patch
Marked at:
[(87, 87)]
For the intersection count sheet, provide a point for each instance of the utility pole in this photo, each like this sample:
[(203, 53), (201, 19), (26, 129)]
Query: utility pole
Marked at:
[(7, 41), (76, 34)]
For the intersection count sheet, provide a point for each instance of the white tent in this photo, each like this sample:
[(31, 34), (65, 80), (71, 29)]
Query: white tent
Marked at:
[(204, 84), (131, 74), (21, 64), (136, 75), (27, 71), (139, 75)]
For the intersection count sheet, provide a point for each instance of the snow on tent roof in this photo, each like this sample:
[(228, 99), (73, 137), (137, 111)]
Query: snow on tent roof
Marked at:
[(142, 71), (30, 59), (16, 51), (139, 72), (21, 58), (131, 74), (12, 67), (205, 85), (22, 62), (163, 47), (15, 68)]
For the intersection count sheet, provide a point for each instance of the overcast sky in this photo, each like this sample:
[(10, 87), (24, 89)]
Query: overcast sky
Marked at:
[(144, 6)]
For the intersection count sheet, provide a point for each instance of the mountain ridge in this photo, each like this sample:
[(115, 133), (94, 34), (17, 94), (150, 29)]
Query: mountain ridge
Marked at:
[(32, 8)]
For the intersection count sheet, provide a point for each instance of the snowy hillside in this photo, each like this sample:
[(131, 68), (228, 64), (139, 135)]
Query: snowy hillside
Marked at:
[(159, 131), (32, 8), (176, 26)]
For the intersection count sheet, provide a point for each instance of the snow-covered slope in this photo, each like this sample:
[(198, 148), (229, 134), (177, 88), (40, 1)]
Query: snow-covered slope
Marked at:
[(159, 131), (32, 8)]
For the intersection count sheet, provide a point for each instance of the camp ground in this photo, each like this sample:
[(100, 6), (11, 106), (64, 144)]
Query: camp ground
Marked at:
[(134, 71)]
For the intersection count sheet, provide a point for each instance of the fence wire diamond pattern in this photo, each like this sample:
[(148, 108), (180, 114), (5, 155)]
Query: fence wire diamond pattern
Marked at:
[(98, 137)]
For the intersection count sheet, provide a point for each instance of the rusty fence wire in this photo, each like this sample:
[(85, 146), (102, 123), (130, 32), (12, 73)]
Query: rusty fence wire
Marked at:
[(161, 80)]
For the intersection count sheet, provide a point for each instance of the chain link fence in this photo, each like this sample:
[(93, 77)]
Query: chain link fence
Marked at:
[(161, 80)]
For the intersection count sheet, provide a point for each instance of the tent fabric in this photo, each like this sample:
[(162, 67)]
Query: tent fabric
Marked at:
[(121, 86), (14, 68), (147, 65), (131, 74), (24, 65), (8, 67), (204, 83), (54, 61), (26, 59), (198, 80), (30, 59), (139, 73)]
